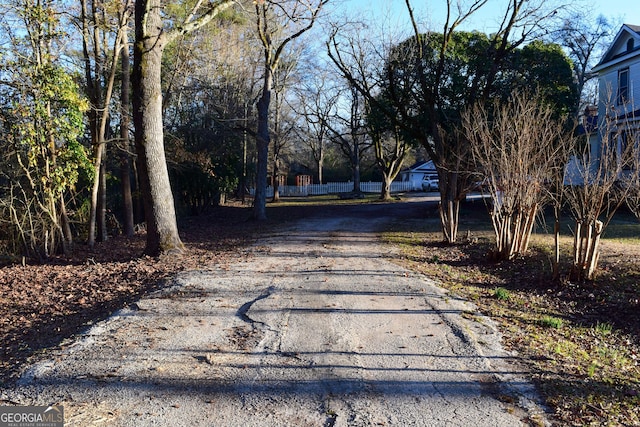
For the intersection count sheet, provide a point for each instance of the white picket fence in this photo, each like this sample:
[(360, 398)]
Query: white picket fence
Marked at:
[(334, 188)]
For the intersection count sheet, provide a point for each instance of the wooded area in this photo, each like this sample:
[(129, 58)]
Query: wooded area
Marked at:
[(123, 116)]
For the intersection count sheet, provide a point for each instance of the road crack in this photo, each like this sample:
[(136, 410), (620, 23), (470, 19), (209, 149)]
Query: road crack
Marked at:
[(244, 309)]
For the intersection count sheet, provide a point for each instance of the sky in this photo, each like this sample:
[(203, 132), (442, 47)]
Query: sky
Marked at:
[(485, 19)]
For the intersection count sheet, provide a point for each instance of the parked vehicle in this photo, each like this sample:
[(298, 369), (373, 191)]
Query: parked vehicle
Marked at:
[(430, 183)]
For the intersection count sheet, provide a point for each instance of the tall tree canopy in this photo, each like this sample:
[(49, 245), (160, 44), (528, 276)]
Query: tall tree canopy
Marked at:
[(537, 67), (545, 68), (426, 90)]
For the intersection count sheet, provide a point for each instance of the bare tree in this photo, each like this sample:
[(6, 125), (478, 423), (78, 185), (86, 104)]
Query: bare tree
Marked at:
[(278, 23), (585, 39), (348, 130), (568, 145), (389, 146), (316, 102), (514, 145), (360, 60), (283, 128), (282, 132), (606, 174)]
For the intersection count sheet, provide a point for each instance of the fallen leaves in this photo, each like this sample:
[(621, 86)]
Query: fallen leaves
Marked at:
[(41, 305)]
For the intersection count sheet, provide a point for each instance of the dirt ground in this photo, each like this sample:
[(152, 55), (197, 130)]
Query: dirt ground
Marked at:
[(312, 326)]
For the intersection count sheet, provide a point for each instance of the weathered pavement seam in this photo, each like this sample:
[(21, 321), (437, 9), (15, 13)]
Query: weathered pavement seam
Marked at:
[(244, 309)]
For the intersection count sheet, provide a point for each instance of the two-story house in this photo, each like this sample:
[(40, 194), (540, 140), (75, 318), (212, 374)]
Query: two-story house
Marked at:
[(619, 93)]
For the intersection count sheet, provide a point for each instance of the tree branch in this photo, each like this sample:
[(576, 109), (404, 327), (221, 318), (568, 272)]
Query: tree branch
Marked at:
[(190, 24)]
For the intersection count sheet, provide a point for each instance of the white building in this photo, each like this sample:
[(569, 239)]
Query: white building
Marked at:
[(619, 93), (417, 172)]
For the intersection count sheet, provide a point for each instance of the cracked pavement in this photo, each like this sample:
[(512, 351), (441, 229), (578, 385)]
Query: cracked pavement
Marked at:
[(313, 326)]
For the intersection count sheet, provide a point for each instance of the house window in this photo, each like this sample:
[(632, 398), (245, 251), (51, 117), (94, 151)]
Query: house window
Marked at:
[(630, 45), (623, 86)]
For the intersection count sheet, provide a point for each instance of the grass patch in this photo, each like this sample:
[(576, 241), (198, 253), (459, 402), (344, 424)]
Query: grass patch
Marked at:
[(502, 294), (551, 322), (604, 328)]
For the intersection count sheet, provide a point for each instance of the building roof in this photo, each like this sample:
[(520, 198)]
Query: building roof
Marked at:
[(625, 45), (425, 165), (635, 28)]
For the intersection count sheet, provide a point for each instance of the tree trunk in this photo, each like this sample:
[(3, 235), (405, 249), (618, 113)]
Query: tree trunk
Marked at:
[(320, 166), (276, 182), (449, 206), (389, 162), (556, 246), (586, 250), (262, 143), (67, 236), (449, 214), (513, 231), (318, 155), (162, 228), (102, 199), (125, 157), (95, 188), (385, 193), (242, 187), (356, 171), (127, 197)]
